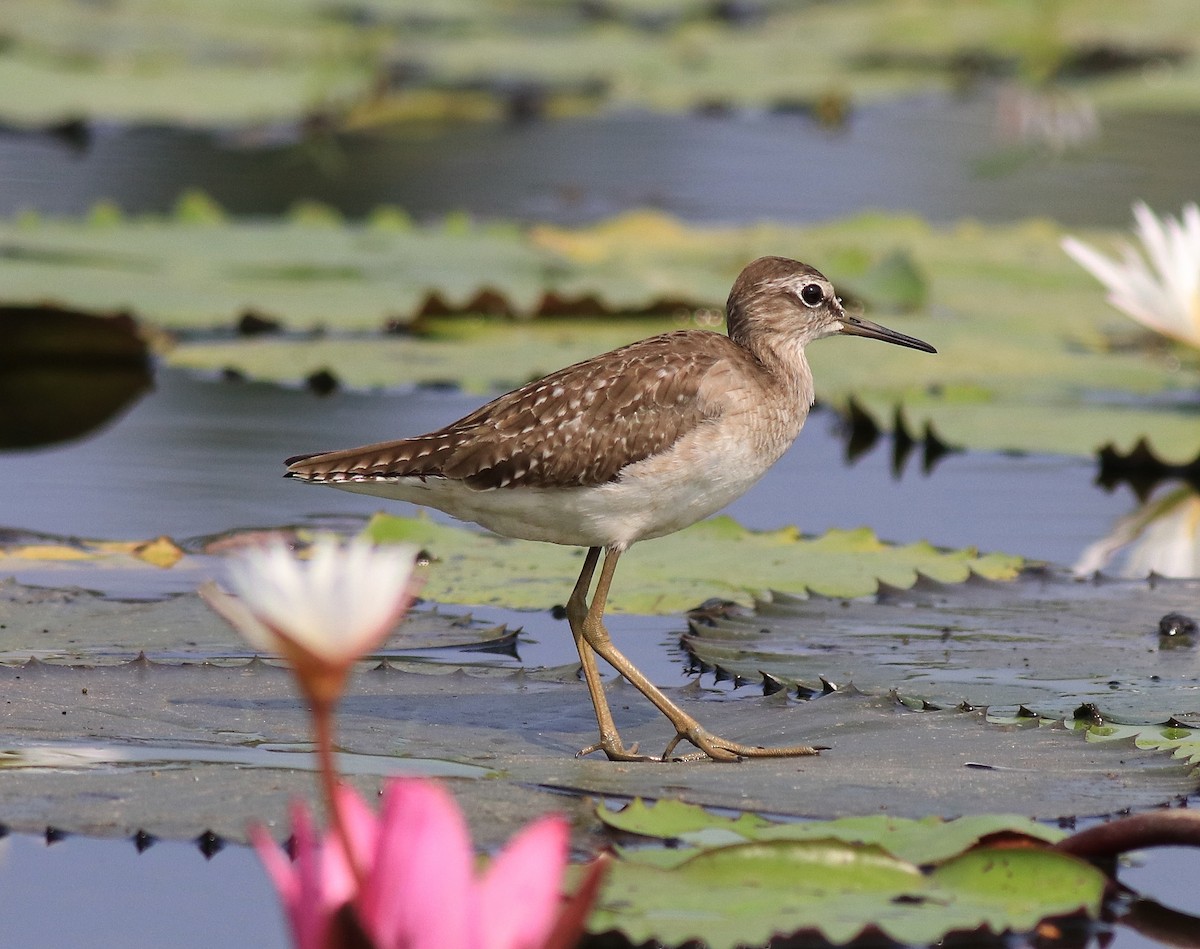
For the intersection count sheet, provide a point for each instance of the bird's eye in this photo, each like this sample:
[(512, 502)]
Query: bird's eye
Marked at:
[(812, 294)]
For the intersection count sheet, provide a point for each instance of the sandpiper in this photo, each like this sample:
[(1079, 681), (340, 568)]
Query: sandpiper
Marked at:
[(630, 445)]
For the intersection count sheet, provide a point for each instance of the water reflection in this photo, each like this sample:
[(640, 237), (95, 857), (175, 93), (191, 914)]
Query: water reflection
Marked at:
[(1161, 537), (1054, 119), (64, 374), (935, 156)]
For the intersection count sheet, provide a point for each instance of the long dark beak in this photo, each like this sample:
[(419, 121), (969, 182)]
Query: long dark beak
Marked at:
[(857, 326)]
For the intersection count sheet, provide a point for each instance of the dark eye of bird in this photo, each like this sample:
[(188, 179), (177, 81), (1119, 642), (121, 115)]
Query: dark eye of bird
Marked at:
[(812, 294)]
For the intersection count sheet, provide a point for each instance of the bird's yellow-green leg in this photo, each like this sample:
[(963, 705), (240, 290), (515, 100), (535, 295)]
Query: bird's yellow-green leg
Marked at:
[(577, 610), (587, 625)]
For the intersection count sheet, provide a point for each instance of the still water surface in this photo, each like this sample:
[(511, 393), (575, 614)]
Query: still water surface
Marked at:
[(939, 157)]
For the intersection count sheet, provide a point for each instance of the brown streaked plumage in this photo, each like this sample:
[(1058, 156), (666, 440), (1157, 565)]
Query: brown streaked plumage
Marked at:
[(629, 445), (576, 427)]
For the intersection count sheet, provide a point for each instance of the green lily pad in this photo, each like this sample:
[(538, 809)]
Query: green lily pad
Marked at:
[(717, 557), (840, 891), (477, 355), (669, 575), (919, 842), (199, 271), (1182, 741)]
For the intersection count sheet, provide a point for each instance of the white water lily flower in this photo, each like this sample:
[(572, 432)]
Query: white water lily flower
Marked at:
[(322, 613), (1158, 285)]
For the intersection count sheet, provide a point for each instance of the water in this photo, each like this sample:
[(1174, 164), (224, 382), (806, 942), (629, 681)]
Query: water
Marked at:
[(940, 157), (103, 893)]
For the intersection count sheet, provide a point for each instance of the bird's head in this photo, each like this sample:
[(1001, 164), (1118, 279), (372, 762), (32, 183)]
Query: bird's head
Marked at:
[(780, 303)]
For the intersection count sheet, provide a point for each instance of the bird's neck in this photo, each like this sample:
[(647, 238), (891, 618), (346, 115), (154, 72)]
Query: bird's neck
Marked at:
[(781, 363), (791, 369)]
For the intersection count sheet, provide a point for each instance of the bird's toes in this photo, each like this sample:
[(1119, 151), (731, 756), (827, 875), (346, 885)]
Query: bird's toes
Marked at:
[(616, 750), (720, 749)]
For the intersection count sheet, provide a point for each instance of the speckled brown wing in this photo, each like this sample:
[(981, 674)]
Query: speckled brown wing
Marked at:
[(575, 427)]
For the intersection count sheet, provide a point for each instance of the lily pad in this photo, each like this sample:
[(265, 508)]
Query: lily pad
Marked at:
[(74, 624), (478, 355), (1181, 739), (716, 557), (470, 566), (199, 271), (920, 842), (1047, 645), (233, 739), (840, 891)]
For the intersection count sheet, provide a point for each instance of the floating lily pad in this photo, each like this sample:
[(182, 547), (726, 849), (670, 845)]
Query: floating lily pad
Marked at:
[(839, 891), (665, 576), (1181, 738), (77, 625), (1049, 646), (717, 557), (920, 842), (197, 271), (477, 355)]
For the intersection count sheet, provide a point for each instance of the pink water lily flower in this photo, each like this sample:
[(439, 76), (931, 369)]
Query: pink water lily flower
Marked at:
[(419, 888)]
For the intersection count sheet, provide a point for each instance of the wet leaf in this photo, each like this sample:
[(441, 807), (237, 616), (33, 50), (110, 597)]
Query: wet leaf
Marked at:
[(74, 624), (1047, 645), (161, 552), (232, 739), (21, 547)]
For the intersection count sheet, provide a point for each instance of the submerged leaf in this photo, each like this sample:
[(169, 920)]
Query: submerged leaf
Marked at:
[(76, 625)]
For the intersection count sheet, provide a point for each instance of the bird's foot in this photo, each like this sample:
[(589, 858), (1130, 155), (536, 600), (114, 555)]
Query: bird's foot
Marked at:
[(612, 746), (722, 749)]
